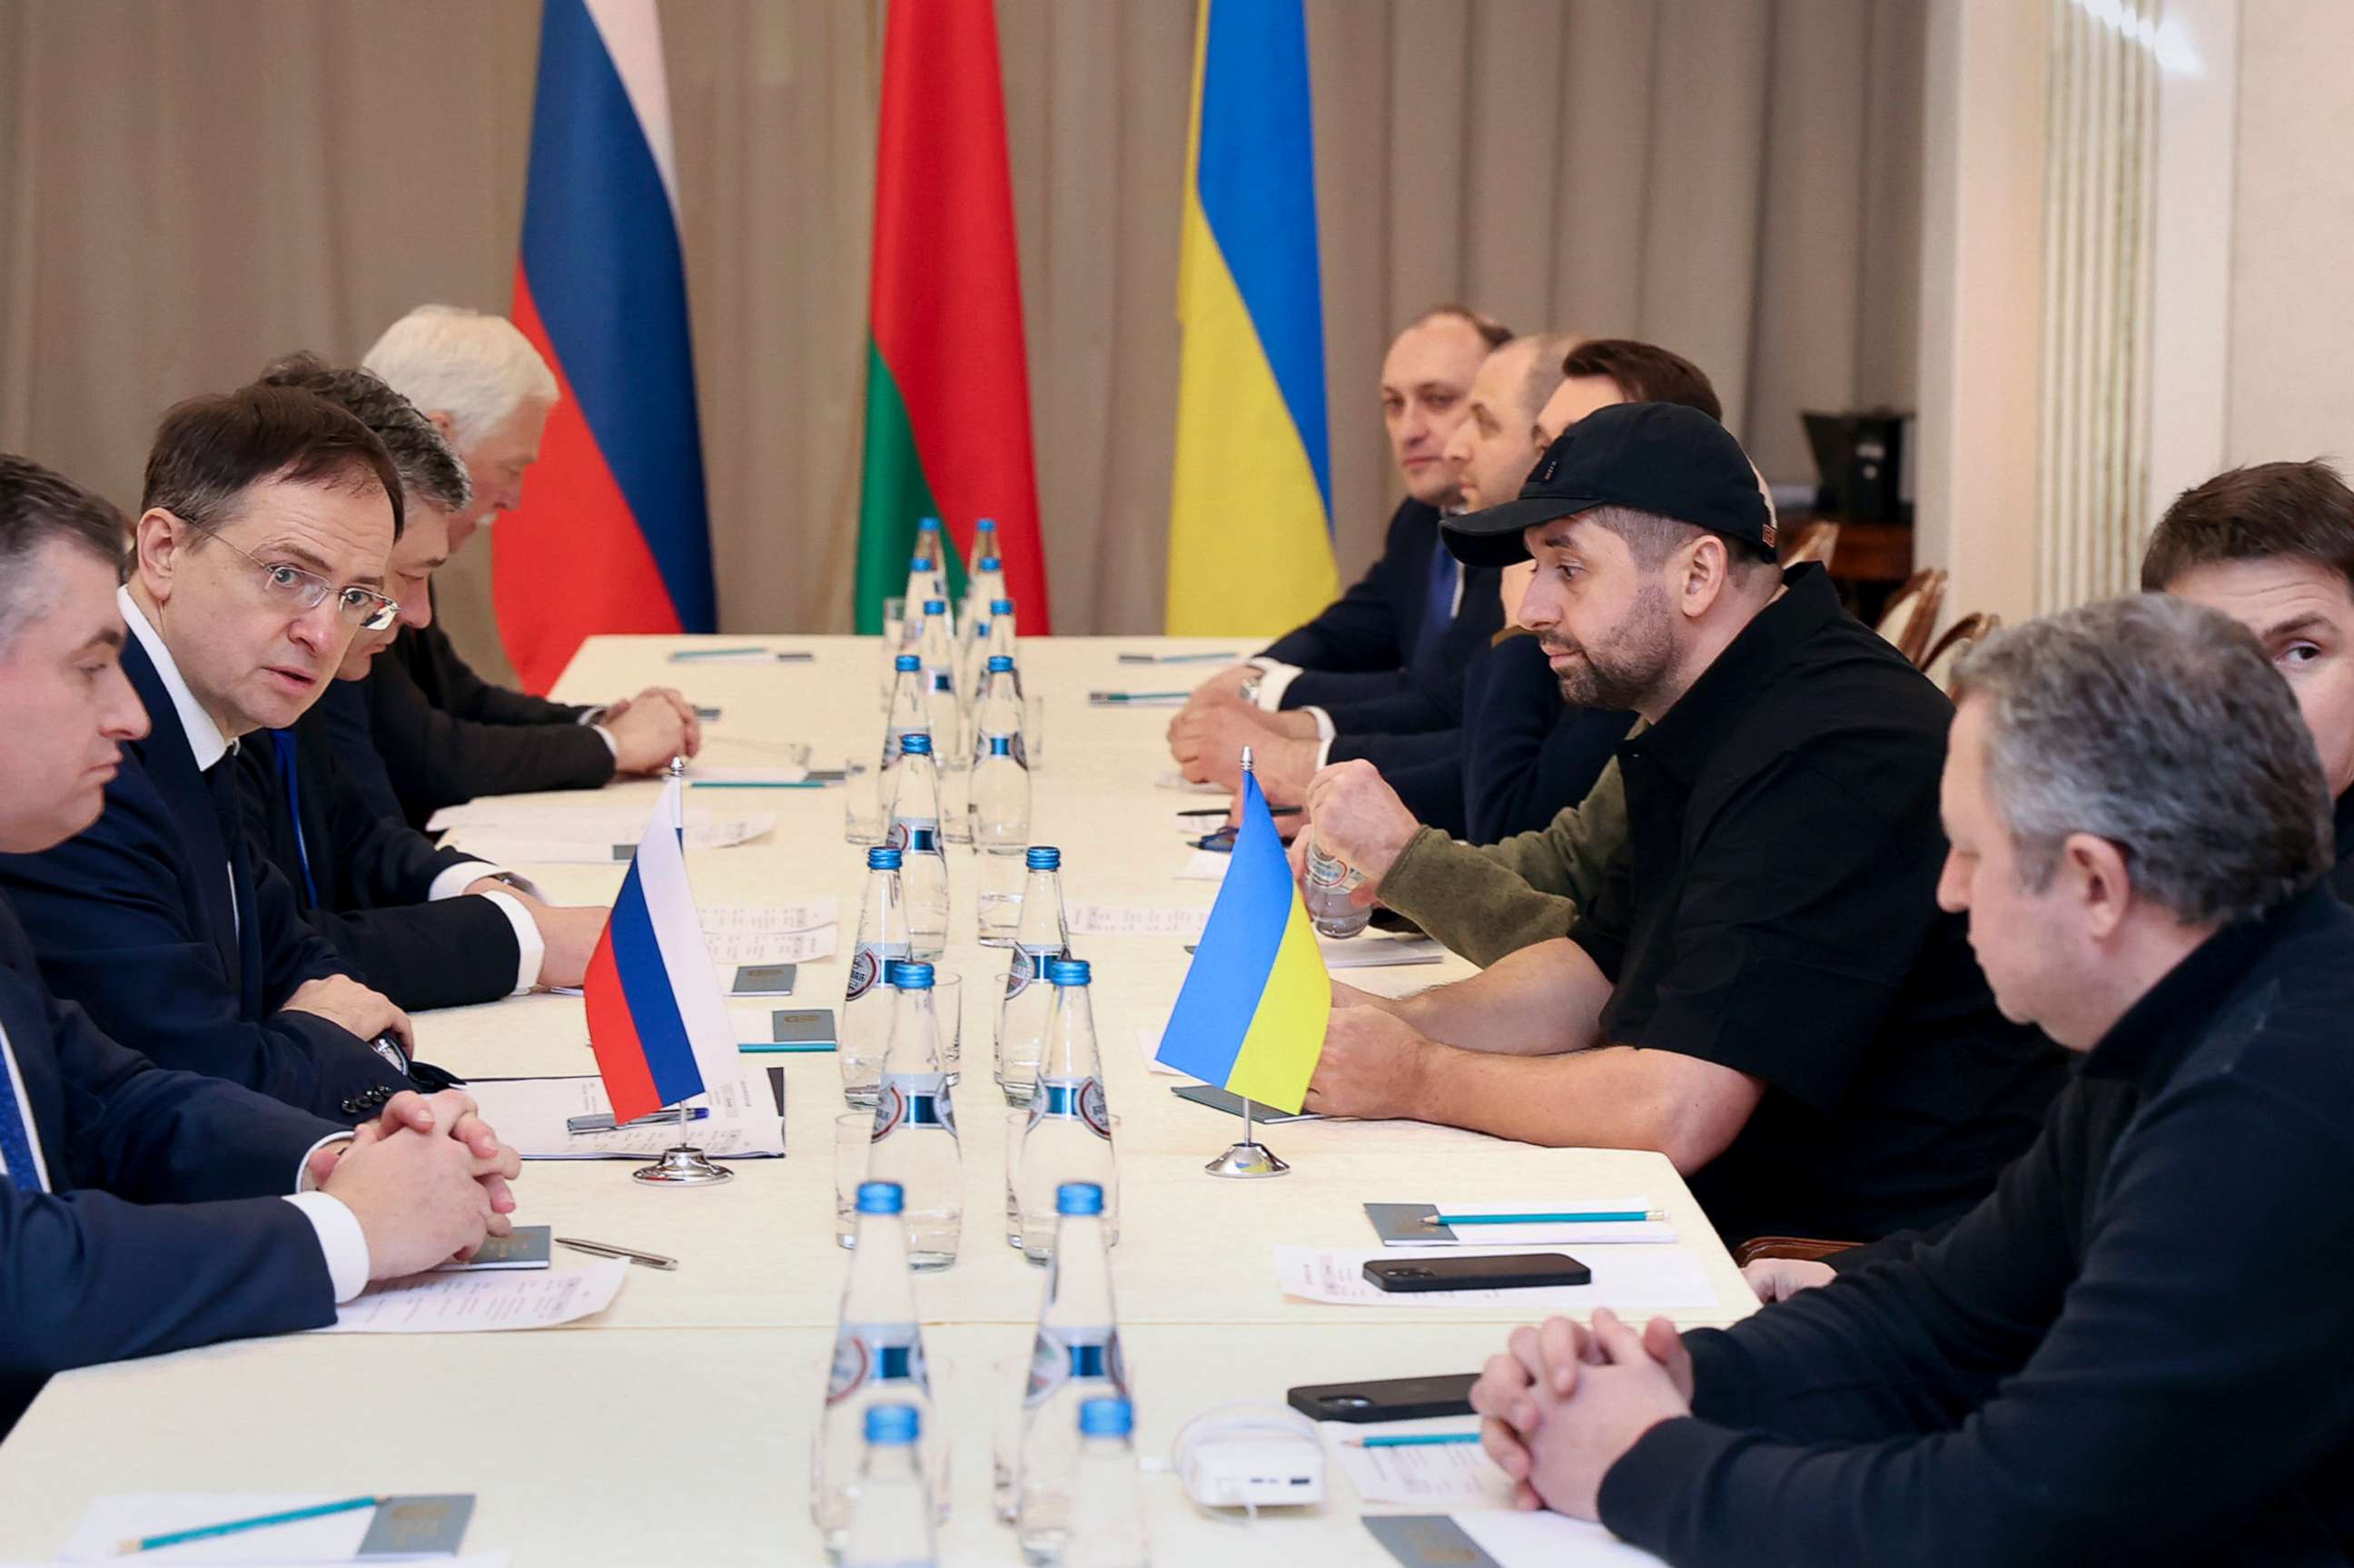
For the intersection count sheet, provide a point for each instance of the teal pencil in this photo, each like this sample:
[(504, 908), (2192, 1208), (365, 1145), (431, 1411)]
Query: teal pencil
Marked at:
[(238, 1525), (1594, 1217), (1420, 1440), (755, 784), (766, 1048)]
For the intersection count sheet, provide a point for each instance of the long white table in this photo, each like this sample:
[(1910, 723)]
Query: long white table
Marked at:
[(675, 1426)]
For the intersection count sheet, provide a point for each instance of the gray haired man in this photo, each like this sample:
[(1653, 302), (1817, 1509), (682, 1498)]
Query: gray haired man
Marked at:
[(448, 735), (2136, 1351)]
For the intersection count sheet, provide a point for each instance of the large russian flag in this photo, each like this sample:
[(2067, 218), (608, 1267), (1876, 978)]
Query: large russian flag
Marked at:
[(1251, 1014), (612, 534), (656, 1018), (1250, 508)]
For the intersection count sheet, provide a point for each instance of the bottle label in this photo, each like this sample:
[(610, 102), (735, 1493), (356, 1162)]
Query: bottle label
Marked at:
[(1060, 1356), (913, 1099), (1072, 1100), (867, 1354), (944, 681), (914, 835), (1329, 871), (867, 967), (1027, 965)]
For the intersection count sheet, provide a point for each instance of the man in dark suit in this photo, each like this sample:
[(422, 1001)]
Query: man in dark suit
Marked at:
[(428, 927), (1379, 672), (142, 1209), (447, 734), (260, 552)]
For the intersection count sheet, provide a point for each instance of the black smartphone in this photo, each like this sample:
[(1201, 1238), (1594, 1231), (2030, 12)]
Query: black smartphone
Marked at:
[(763, 980), (1515, 1271), (1385, 1398)]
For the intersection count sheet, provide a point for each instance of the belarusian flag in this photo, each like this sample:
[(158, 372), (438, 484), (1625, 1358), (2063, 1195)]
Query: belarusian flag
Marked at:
[(948, 386)]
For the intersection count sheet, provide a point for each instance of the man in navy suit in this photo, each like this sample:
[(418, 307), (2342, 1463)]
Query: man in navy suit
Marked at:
[(258, 554), (428, 927), (142, 1209), (1379, 672)]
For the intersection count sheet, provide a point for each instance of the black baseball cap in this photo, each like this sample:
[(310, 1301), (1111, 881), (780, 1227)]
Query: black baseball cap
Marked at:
[(1660, 458)]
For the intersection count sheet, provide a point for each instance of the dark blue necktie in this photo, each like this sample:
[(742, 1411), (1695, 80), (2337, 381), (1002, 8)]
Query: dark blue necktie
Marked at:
[(1439, 602), (17, 1138), (283, 741)]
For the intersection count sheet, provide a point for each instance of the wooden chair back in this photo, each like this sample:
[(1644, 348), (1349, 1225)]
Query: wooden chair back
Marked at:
[(1816, 542), (1911, 617), (1959, 639)]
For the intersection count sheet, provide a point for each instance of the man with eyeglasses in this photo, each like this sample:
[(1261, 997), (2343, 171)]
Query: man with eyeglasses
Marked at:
[(258, 554)]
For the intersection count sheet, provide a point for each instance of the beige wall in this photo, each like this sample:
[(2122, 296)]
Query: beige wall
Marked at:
[(2292, 333)]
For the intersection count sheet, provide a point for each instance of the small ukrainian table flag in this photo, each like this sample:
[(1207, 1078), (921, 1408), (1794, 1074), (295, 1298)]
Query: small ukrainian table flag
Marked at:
[(1251, 1016)]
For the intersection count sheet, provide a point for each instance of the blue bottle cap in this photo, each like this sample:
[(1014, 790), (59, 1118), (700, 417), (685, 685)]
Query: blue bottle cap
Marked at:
[(1000, 663), (987, 524), (917, 563), (936, 606), (927, 526), (880, 1198), (1106, 1418), (907, 974), (1001, 607), (892, 1425), (1044, 857), (1070, 1198), (916, 742), (882, 860), (1067, 972), (906, 661), (990, 564)]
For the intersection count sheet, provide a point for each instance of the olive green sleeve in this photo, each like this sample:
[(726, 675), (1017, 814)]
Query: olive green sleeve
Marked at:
[(1486, 901)]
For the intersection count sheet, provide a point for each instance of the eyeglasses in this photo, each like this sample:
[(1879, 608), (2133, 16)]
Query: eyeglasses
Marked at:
[(294, 588)]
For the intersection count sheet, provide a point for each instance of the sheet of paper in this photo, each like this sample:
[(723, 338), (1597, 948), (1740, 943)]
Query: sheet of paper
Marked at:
[(1205, 865), (1368, 951), (505, 833), (468, 1303), (1517, 1539), (1439, 1476), (770, 947), (1135, 919), (1626, 1279), (1148, 1041), (530, 1115), (1613, 1233), (703, 773), (168, 1554), (1171, 779), (727, 919)]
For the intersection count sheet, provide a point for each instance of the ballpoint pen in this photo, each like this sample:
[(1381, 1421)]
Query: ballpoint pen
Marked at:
[(607, 1249), (1588, 1217)]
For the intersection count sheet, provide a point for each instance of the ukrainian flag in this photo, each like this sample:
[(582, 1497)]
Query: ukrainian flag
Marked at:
[(1250, 511), (1250, 1017)]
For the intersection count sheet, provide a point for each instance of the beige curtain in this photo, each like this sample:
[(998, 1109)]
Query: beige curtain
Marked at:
[(186, 189)]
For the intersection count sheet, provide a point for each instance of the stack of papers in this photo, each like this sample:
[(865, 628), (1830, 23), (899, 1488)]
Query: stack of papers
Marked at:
[(505, 833), (1436, 1475), (531, 1115), (1504, 1538), (1626, 1279), (1372, 950), (397, 1529), (468, 1303), (1136, 919)]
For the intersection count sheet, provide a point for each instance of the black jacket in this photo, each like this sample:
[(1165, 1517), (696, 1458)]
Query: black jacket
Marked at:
[(1357, 658), (368, 872), (447, 735), (2137, 1350), (160, 1228), (133, 920)]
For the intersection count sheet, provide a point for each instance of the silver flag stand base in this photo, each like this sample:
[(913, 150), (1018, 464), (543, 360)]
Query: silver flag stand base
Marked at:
[(1250, 1156), (1247, 1158), (684, 1166)]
